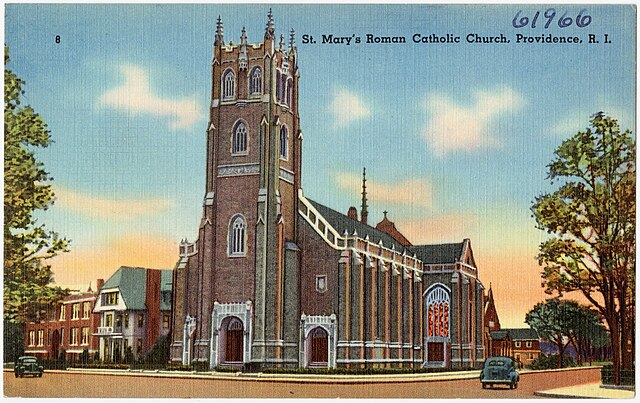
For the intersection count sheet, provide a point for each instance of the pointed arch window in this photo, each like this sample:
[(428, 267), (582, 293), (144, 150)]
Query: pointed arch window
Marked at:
[(284, 143), (239, 138), (237, 236), (438, 306), (289, 99), (228, 85), (255, 80)]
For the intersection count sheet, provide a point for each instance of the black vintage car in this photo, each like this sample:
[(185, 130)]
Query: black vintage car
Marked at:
[(27, 365), (499, 370)]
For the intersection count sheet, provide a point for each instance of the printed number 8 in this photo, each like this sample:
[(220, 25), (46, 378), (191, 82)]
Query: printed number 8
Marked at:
[(57, 38)]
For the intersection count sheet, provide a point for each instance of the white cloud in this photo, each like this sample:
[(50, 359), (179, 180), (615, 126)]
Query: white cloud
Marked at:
[(111, 209), (452, 126), (410, 192), (135, 95), (347, 107)]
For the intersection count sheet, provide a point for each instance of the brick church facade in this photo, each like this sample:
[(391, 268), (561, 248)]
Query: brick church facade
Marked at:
[(277, 279)]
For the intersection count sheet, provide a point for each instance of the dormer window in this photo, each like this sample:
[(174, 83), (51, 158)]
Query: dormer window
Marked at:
[(110, 298), (228, 85)]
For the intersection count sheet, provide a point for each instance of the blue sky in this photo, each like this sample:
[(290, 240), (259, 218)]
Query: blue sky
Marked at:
[(455, 137)]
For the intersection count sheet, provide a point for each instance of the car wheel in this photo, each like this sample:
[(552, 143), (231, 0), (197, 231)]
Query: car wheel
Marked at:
[(512, 385), (515, 386), (40, 375), (484, 385), (16, 374)]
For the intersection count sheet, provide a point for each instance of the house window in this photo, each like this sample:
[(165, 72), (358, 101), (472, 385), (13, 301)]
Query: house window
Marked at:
[(321, 283), (62, 312), (108, 320), (118, 320), (518, 344), (237, 236), (62, 337), (40, 337), (75, 311), (239, 139), (255, 81), (528, 344), (32, 337), (284, 143), (228, 85), (126, 319), (138, 346), (73, 337), (165, 321), (86, 310), (140, 320), (85, 336), (111, 298)]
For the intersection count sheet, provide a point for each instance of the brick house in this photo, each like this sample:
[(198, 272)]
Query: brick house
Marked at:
[(521, 344), (134, 308), (277, 279), (70, 328)]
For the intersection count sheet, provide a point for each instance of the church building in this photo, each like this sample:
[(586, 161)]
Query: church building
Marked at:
[(276, 279)]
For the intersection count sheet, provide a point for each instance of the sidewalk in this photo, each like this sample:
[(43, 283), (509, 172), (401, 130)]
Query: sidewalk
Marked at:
[(590, 390)]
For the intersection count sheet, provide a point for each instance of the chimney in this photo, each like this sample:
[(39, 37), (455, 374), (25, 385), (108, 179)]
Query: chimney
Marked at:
[(99, 284), (353, 213), (152, 301)]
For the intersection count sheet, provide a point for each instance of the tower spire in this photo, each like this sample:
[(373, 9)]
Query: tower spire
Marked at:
[(292, 39), (364, 213), (219, 34), (270, 31)]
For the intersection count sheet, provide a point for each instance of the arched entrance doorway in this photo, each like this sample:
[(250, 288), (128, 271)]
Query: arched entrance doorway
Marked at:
[(233, 339), (318, 347), (55, 344)]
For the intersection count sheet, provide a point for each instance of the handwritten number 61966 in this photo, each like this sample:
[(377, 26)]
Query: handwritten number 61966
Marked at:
[(581, 20)]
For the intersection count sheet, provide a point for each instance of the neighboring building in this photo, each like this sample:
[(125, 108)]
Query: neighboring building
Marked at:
[(70, 329), (277, 279), (135, 310), (491, 322), (521, 344)]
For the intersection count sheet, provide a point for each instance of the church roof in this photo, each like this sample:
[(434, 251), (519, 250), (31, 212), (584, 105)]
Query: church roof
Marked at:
[(341, 222), (132, 284), (389, 227), (439, 254)]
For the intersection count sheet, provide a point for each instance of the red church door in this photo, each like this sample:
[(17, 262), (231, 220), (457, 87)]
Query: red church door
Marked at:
[(435, 351), (319, 347), (234, 350)]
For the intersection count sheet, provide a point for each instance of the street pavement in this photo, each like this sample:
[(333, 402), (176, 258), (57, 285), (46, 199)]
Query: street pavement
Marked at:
[(130, 384)]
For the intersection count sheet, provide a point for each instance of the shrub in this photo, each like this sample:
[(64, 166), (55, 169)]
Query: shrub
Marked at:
[(551, 362)]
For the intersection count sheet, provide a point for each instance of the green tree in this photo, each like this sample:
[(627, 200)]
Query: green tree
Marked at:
[(591, 218), (556, 321), (27, 243)]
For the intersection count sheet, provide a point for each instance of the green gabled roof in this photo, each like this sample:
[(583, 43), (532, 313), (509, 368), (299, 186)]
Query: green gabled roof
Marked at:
[(499, 334), (341, 222), (523, 334), (132, 284), (438, 254)]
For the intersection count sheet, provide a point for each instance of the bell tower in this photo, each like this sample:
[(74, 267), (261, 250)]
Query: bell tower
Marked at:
[(241, 275)]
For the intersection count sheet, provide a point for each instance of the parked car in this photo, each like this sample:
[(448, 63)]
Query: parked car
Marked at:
[(27, 365), (499, 370)]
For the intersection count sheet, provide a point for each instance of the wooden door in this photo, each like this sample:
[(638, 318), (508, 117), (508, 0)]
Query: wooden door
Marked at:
[(319, 346), (234, 350)]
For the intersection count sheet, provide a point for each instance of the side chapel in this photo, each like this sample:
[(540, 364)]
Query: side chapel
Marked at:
[(277, 279)]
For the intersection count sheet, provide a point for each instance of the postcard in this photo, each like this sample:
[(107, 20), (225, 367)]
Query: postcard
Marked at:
[(319, 201)]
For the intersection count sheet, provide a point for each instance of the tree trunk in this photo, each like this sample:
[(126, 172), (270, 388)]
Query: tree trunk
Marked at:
[(614, 331)]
